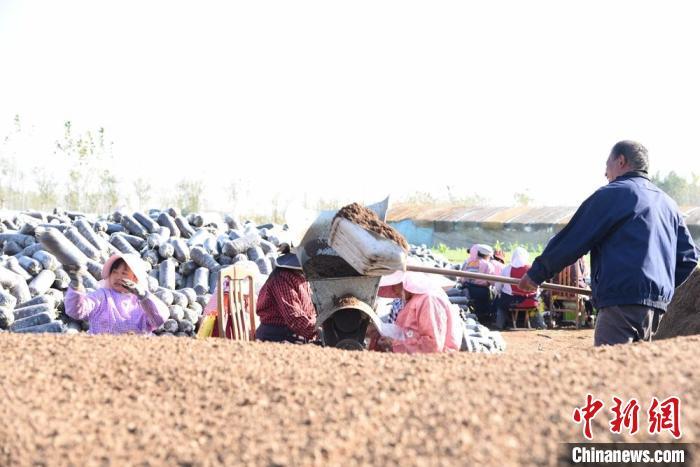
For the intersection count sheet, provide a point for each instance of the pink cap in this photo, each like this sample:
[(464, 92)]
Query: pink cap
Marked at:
[(413, 282), (135, 263)]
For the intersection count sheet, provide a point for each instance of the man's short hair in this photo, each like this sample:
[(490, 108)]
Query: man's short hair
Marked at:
[(635, 154)]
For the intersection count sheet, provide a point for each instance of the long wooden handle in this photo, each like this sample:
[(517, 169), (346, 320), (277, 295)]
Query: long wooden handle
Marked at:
[(493, 278)]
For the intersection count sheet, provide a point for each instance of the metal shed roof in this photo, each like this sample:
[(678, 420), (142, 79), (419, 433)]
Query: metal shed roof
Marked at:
[(503, 215)]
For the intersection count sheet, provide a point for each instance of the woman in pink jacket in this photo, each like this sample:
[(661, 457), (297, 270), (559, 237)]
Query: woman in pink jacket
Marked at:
[(427, 323)]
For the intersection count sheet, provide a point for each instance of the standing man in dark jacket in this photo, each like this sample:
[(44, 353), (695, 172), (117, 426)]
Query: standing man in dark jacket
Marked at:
[(640, 247)]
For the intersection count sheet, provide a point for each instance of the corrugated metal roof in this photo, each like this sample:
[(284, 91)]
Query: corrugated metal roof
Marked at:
[(503, 215)]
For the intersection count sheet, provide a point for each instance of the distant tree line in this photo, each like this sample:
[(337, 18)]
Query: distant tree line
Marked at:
[(80, 177), (685, 191)]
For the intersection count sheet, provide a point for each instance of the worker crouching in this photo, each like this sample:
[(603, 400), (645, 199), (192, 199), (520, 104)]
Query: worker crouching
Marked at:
[(284, 305), (426, 323)]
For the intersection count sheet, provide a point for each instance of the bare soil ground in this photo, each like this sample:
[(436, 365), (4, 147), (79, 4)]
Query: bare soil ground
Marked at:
[(126, 400), (548, 341)]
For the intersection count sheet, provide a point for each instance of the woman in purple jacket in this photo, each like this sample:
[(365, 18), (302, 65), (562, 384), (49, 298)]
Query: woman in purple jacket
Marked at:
[(122, 303)]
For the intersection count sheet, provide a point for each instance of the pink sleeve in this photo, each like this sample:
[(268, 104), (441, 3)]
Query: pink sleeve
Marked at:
[(453, 339), (155, 310), (212, 304), (425, 325), (485, 267), (79, 305), (497, 268)]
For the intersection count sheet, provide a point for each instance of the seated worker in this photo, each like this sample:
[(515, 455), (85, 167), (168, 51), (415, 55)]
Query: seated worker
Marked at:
[(427, 323), (511, 295), (575, 275), (284, 306), (479, 289), (498, 261), (122, 303), (459, 294), (578, 275)]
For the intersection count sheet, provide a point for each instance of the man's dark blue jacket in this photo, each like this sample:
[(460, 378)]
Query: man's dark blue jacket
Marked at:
[(640, 246)]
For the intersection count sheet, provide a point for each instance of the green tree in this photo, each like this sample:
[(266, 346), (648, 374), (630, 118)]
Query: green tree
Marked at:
[(234, 192), (683, 191), (85, 154), (142, 188), (109, 196), (522, 199), (189, 195), (46, 196), (12, 192), (422, 198)]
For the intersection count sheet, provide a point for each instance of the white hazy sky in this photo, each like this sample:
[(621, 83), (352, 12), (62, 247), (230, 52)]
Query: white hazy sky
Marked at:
[(353, 100)]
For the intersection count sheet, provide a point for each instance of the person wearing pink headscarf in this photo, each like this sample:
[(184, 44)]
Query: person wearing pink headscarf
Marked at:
[(479, 261), (122, 303), (427, 323), (498, 261)]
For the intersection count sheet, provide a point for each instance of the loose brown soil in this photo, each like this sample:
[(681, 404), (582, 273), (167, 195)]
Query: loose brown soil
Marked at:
[(683, 315), (347, 301), (320, 265), (369, 220), (328, 266), (127, 400)]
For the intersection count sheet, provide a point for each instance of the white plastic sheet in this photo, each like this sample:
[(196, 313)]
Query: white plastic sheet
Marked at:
[(368, 253)]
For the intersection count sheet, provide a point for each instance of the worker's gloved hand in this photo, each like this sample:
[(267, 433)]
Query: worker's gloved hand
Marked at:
[(77, 276), (135, 288)]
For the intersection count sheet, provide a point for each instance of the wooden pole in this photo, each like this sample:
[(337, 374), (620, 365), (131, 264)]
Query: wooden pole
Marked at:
[(494, 278)]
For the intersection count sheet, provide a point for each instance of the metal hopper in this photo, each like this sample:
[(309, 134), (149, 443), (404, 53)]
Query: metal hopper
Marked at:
[(344, 299)]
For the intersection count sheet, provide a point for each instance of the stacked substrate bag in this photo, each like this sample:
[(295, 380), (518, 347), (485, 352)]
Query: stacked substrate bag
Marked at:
[(183, 254)]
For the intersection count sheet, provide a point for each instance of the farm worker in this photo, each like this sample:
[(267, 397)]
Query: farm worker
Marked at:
[(579, 273), (640, 247), (512, 295), (578, 276), (284, 306), (498, 261), (427, 322), (121, 304), (479, 289)]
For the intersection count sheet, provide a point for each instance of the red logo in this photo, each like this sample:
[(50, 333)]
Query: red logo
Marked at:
[(627, 417), (663, 416), (585, 414)]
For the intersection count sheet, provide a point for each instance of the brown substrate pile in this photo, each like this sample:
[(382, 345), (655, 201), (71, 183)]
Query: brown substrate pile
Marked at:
[(369, 220), (683, 315), (321, 264), (131, 400), (328, 266), (346, 301)]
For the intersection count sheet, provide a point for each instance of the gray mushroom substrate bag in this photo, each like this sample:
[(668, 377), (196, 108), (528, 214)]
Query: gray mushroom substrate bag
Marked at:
[(63, 249)]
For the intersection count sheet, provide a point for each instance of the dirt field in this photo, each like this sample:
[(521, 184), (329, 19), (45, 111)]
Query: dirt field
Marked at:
[(131, 400)]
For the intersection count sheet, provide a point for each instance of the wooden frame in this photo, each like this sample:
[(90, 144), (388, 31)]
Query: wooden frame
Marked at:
[(235, 311), (515, 310), (564, 278)]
